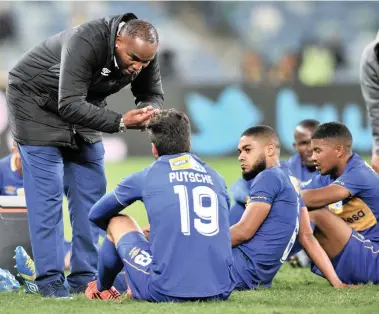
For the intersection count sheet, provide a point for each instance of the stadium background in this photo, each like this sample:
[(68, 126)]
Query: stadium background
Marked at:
[(229, 65)]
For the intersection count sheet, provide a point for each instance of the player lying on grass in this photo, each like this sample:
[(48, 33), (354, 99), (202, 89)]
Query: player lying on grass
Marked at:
[(188, 256), (266, 230), (346, 185)]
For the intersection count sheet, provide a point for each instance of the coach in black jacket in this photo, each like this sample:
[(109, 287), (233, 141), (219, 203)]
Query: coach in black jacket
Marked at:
[(56, 104)]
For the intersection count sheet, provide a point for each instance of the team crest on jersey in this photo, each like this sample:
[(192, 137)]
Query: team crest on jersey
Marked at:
[(10, 189), (186, 162), (336, 208)]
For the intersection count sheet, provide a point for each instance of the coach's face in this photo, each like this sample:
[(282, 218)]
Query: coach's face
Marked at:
[(325, 156), (133, 54), (251, 156)]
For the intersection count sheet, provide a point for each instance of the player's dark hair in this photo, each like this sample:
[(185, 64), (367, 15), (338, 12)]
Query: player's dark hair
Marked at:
[(140, 29), (309, 123), (333, 130), (262, 131), (170, 132)]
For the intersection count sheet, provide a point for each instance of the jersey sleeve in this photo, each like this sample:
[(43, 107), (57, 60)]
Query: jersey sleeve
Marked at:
[(349, 181), (265, 188), (128, 191)]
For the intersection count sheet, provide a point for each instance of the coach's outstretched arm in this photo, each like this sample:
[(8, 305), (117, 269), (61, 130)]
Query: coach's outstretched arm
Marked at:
[(315, 251), (127, 192)]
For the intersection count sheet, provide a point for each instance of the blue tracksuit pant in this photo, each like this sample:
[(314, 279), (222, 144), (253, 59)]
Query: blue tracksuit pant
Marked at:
[(49, 172)]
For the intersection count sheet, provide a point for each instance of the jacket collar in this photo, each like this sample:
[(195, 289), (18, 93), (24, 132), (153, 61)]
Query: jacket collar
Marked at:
[(113, 23)]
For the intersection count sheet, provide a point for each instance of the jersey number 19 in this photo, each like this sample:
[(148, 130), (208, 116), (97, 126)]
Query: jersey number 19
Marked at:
[(208, 214)]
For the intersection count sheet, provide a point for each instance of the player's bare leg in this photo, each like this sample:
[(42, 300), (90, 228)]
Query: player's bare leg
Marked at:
[(121, 225), (331, 231)]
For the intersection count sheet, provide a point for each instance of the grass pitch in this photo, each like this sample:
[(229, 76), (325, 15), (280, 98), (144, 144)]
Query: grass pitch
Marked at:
[(293, 290)]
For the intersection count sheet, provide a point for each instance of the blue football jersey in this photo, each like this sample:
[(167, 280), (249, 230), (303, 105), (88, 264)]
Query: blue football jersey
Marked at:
[(298, 170), (11, 181), (188, 210), (361, 209), (271, 244)]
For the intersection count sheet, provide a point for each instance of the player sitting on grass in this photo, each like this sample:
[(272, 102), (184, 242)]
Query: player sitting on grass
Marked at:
[(11, 180), (267, 229), (188, 256), (346, 185), (301, 165), (355, 258)]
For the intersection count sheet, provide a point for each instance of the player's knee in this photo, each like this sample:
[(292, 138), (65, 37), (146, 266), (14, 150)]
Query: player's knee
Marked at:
[(121, 225), (317, 216)]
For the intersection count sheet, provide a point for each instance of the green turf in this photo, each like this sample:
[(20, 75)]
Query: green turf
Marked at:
[(293, 290)]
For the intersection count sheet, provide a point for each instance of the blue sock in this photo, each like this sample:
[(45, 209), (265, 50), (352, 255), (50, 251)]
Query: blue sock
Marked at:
[(108, 266)]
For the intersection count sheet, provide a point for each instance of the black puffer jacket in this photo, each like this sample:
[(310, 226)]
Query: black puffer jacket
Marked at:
[(59, 87)]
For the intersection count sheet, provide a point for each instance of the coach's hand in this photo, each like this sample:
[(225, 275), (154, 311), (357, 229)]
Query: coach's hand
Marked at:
[(138, 118)]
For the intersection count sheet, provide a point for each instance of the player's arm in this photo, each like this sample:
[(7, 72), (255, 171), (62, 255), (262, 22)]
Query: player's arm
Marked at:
[(253, 217), (78, 59), (261, 196), (315, 251), (147, 87), (146, 231), (321, 197), (126, 193)]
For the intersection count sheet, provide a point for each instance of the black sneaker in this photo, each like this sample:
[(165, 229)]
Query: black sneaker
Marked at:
[(56, 289)]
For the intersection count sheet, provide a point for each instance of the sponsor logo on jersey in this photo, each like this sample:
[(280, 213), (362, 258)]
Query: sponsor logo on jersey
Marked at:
[(186, 162)]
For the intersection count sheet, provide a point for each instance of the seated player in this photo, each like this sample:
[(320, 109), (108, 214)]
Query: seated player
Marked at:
[(188, 256), (266, 230), (355, 258), (346, 185), (301, 165), (11, 180)]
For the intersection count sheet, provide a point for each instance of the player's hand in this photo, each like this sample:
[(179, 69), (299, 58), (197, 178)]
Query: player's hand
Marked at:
[(375, 162), (146, 231), (138, 118), (344, 286)]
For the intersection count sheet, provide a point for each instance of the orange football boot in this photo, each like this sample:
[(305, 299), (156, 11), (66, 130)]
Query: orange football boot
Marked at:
[(93, 293)]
